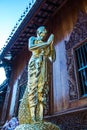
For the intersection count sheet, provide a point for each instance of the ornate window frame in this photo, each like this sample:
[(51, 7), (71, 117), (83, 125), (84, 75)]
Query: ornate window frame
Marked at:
[(78, 83)]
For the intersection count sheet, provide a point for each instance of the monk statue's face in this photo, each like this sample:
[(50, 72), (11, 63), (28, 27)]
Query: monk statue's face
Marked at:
[(41, 32)]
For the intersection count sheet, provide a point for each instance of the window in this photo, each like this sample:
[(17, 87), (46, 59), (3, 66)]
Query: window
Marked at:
[(81, 63)]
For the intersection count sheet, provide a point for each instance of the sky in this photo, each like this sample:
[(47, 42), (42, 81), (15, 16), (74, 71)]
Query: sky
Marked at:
[(10, 12), (2, 75)]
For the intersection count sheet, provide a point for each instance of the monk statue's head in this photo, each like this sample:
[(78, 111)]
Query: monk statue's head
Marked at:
[(41, 32)]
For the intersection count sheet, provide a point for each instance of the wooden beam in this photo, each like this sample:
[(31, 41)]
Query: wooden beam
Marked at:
[(52, 3), (46, 10), (41, 16)]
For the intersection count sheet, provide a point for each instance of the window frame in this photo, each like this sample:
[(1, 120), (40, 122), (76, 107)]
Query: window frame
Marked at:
[(76, 69)]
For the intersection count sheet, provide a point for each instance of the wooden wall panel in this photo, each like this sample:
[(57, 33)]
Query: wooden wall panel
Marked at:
[(18, 66), (60, 76), (67, 25), (78, 36)]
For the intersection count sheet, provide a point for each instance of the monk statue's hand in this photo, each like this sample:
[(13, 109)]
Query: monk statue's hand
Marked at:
[(50, 39)]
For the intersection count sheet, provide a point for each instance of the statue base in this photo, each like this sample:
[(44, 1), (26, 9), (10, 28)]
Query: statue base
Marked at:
[(38, 126)]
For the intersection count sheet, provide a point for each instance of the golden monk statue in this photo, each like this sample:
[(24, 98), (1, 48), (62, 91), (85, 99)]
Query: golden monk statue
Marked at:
[(34, 99), (37, 76)]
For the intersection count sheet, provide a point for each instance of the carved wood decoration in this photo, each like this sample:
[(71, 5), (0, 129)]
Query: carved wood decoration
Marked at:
[(70, 121), (78, 34)]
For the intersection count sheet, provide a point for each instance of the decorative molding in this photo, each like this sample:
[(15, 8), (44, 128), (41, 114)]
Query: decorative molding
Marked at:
[(78, 34)]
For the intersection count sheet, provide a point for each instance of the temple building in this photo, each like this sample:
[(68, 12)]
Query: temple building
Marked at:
[(67, 76)]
